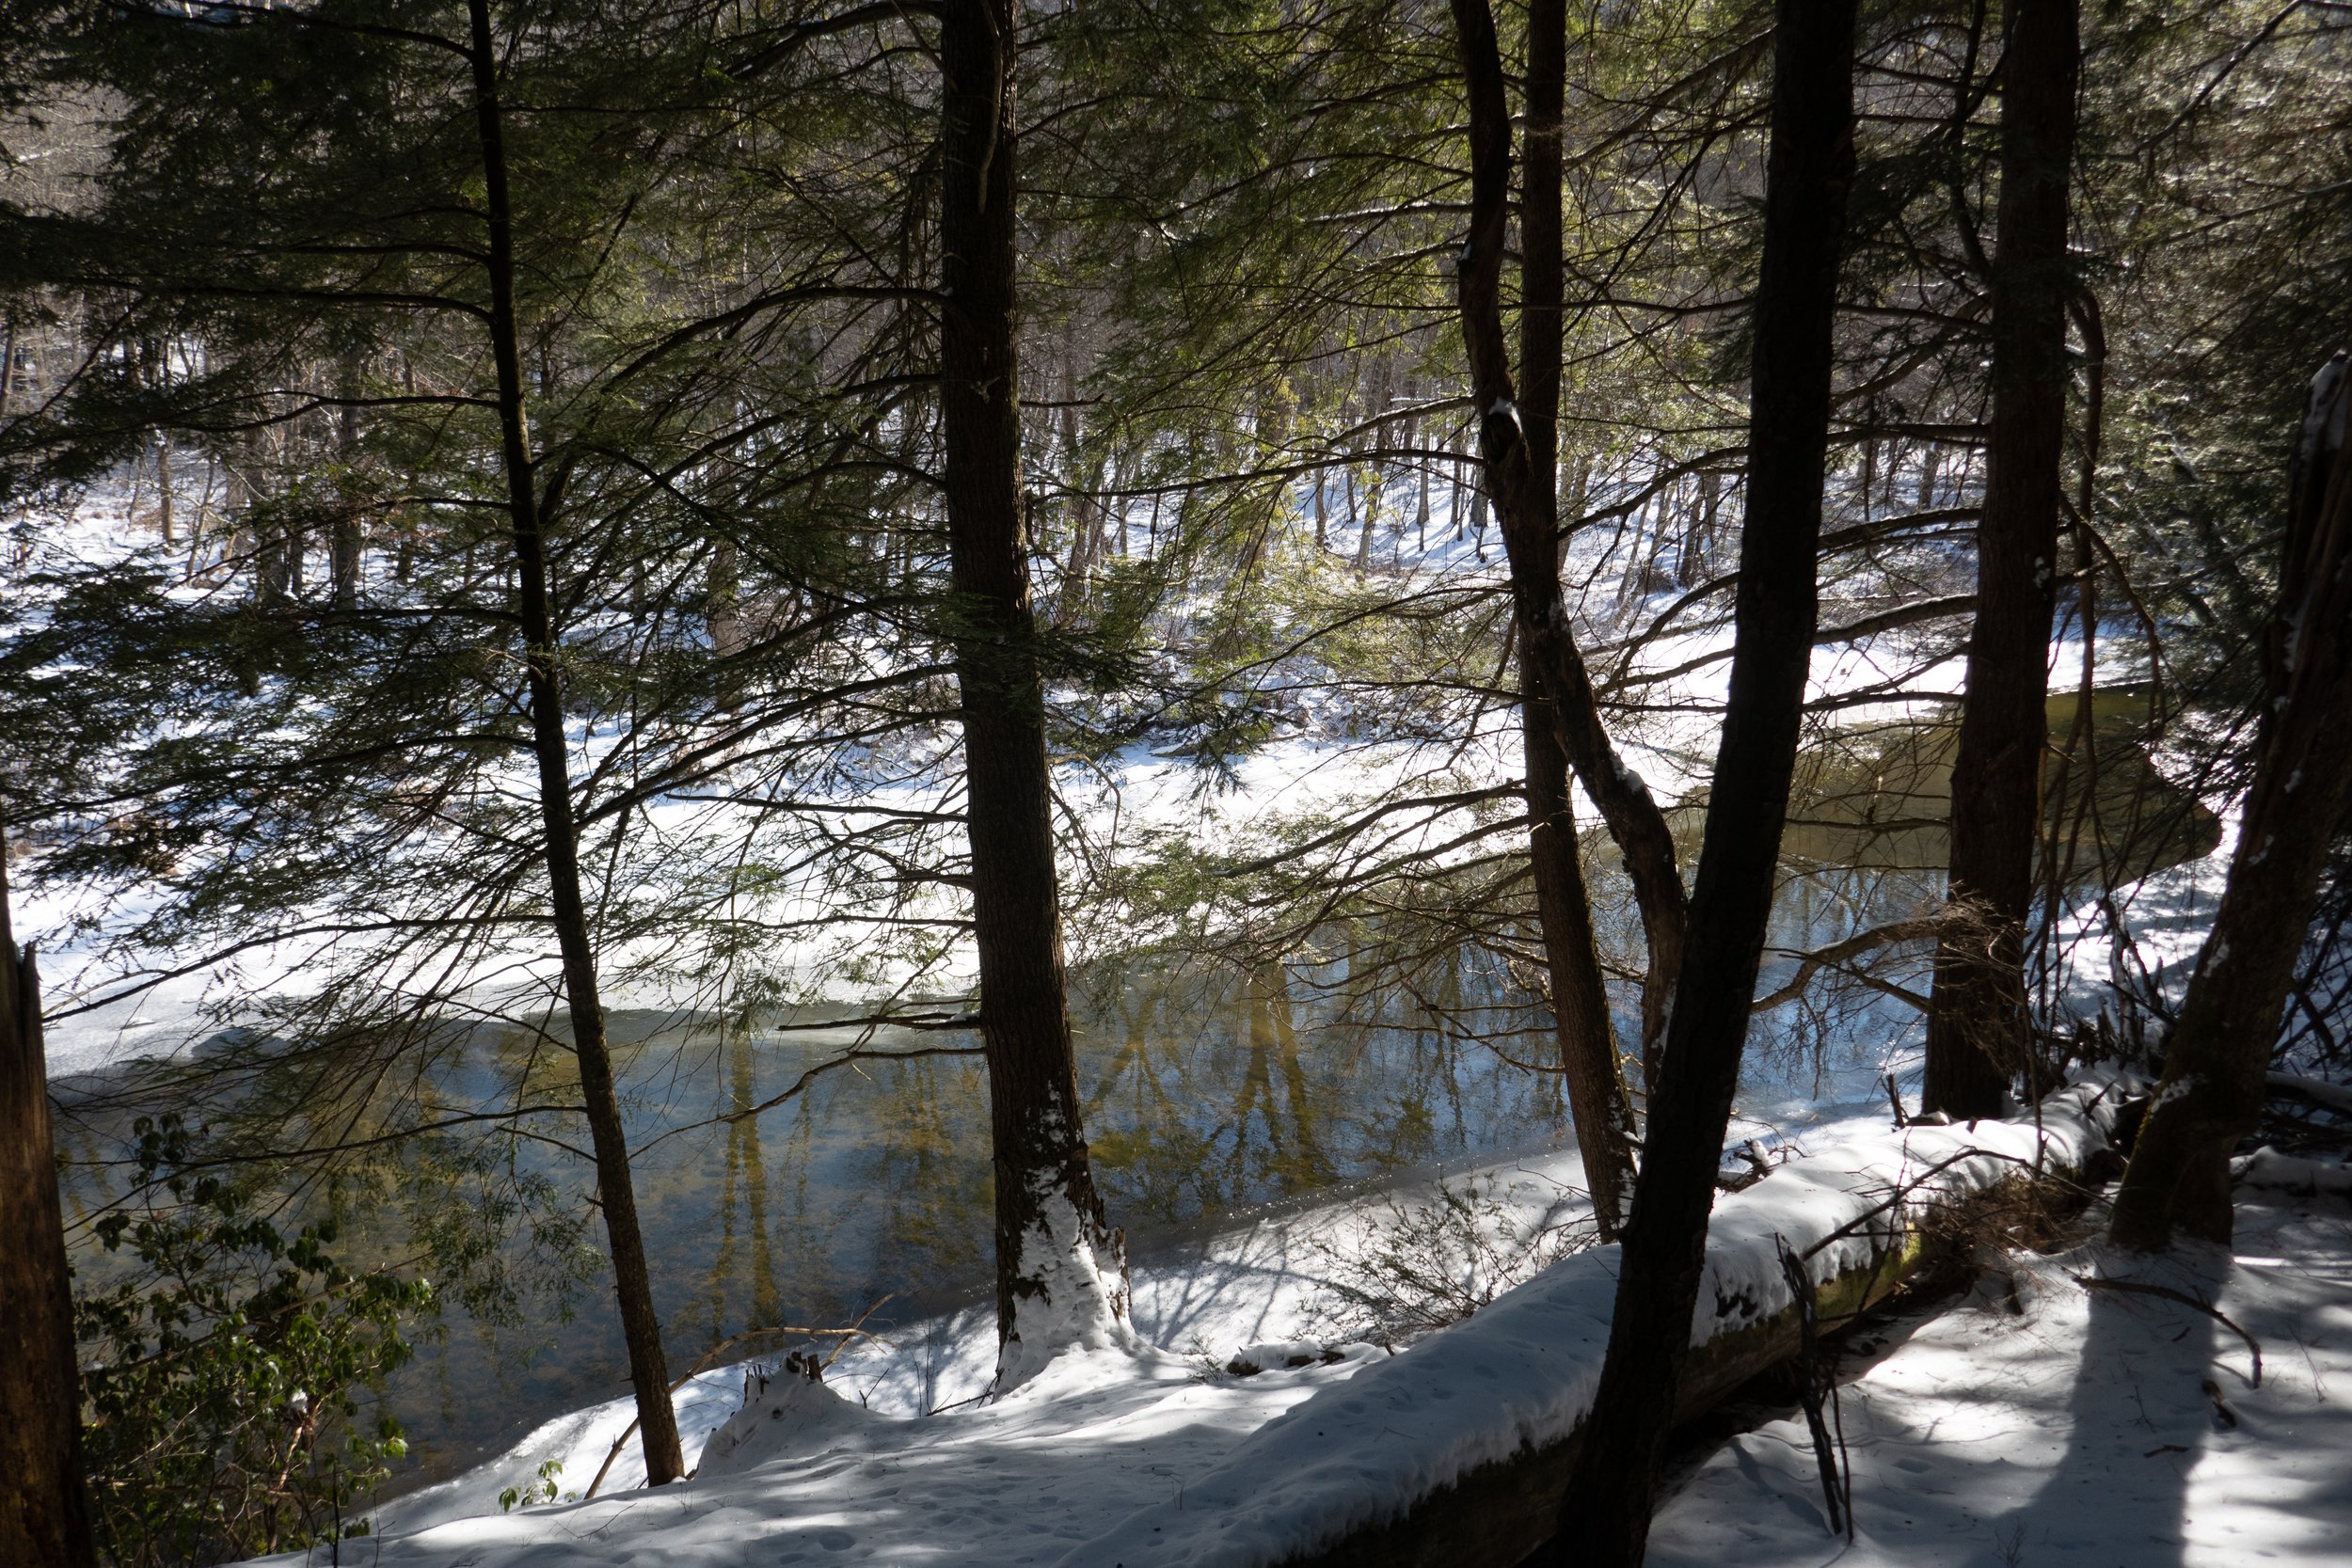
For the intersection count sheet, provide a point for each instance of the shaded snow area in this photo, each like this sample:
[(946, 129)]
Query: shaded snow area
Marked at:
[(1161, 1406), (1147, 1455), (2050, 1424)]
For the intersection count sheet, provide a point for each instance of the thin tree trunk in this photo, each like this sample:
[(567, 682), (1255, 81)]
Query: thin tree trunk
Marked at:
[(1518, 436), (1703, 530), (641, 1328), (1456, 473), (264, 536), (343, 542), (163, 488), (1979, 1033), (1516, 443), (1376, 488), (1575, 487), (44, 1511), (1606, 1512), (722, 613), (1081, 514), (1052, 1246), (1420, 505), (2216, 1062)]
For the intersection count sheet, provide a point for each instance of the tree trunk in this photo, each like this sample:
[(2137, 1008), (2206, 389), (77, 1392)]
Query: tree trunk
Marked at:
[(1083, 525), (1586, 1038), (1420, 504), (1604, 1520), (1052, 1247), (343, 544), (2220, 1049), (1516, 436), (1376, 486), (163, 489), (722, 614), (44, 1512), (640, 1328), (1978, 1034)]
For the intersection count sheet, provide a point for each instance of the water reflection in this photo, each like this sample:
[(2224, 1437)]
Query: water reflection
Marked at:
[(1206, 1093)]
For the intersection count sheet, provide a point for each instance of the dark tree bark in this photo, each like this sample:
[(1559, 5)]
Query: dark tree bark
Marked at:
[(1606, 1512), (722, 613), (1519, 442), (344, 541), (641, 1328), (1052, 1241), (44, 1512), (2215, 1063), (1517, 435), (1979, 1033)]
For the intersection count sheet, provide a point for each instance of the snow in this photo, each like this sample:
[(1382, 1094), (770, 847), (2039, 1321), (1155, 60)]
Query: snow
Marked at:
[(1521, 1374), (2048, 1423), (1235, 1295), (1073, 1307), (1136, 1453), (2268, 1169), (2073, 1428), (2317, 1090)]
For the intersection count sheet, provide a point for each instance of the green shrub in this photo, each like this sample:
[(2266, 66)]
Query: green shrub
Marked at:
[(221, 1373)]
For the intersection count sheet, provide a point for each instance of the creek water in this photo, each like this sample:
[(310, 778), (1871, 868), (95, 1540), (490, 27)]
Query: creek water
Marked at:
[(1208, 1095)]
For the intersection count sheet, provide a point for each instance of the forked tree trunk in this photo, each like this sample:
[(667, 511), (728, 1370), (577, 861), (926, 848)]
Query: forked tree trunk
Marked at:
[(1605, 1515), (2214, 1065), (641, 1327), (44, 1512), (1979, 1033), (1516, 437), (1060, 1273)]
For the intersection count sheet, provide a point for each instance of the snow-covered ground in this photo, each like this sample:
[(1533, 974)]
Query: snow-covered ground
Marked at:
[(1262, 1293), (2054, 1424), (2044, 1421), (1161, 1455)]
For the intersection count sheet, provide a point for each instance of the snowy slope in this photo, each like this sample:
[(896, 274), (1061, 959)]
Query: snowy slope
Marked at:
[(2063, 1426), (1150, 1457)]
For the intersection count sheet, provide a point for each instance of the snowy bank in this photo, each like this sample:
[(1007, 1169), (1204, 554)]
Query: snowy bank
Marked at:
[(1140, 1456), (2060, 1424), (1455, 1452)]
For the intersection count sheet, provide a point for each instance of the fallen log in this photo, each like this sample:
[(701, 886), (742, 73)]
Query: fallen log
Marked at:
[(1455, 1453)]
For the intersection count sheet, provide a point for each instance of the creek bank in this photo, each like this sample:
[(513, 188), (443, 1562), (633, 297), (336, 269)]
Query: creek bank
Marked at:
[(1184, 1465)]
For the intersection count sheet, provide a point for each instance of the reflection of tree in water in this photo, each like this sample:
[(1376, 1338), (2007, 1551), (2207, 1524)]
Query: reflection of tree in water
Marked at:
[(1213, 1090), (1154, 1159), (1288, 1162), (927, 1160), (746, 1168)]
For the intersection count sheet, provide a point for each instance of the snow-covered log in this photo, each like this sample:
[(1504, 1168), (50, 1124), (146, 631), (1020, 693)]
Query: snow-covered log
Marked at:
[(1457, 1451)]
